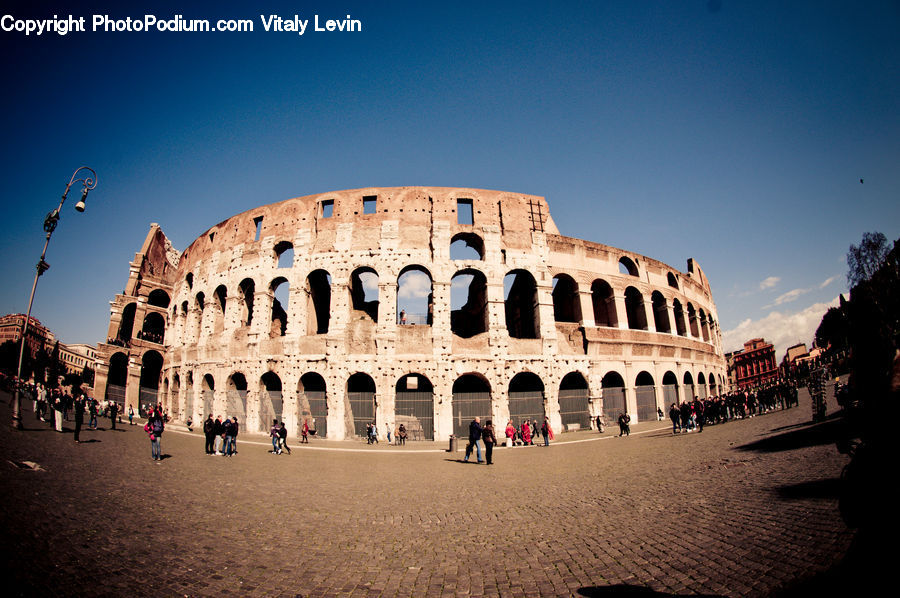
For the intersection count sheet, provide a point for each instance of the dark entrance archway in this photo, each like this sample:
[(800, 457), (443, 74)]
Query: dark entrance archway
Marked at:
[(471, 398), (361, 396), (414, 406), (574, 398)]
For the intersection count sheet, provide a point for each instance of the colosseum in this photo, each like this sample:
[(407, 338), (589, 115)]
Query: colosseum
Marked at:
[(424, 306)]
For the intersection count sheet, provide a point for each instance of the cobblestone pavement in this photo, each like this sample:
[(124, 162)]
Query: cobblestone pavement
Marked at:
[(747, 508)]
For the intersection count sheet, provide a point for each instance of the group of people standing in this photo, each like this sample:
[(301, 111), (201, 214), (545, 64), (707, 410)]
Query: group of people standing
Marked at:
[(527, 432), (221, 437)]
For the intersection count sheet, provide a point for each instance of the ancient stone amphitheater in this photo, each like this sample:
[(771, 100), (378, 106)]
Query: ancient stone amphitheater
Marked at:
[(423, 306)]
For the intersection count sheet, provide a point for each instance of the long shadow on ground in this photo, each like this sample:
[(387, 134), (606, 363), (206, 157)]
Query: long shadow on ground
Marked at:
[(827, 432)]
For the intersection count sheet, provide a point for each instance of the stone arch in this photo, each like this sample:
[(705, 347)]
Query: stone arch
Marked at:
[(151, 368), (318, 303), (521, 305), (280, 289), (660, 312), (364, 292), (526, 398), (645, 395), (414, 406), (117, 377), (628, 266), (284, 254), (271, 400), (189, 279), (670, 388), (635, 310), (701, 385), (688, 382), (415, 296), (466, 246), (361, 401), (246, 294), (613, 396), (199, 307), (220, 296), (468, 303), (704, 327), (471, 398), (574, 402), (566, 300), (713, 387), (680, 327), (236, 396), (126, 324), (154, 328), (312, 403), (672, 280), (158, 298), (208, 395), (604, 303), (692, 320)]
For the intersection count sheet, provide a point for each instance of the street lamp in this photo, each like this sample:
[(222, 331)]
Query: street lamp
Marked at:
[(88, 182)]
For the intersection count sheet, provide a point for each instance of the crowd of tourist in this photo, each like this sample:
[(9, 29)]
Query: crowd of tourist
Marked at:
[(693, 415)]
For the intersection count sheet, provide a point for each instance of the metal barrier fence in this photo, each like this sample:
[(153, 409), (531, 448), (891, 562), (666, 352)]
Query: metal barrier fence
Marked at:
[(415, 410), (526, 405), (466, 406), (613, 403), (646, 403), (574, 409), (270, 406), (318, 412), (362, 405)]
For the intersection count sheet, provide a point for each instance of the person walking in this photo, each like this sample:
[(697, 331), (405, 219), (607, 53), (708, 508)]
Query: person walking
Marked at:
[(154, 428), (487, 434), (545, 431), (237, 428), (92, 409), (282, 439), (79, 416), (624, 428), (57, 411), (131, 416), (305, 432), (474, 440), (675, 416), (273, 432), (401, 435)]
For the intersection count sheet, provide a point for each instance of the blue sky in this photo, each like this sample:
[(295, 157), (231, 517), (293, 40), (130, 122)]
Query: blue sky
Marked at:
[(735, 133)]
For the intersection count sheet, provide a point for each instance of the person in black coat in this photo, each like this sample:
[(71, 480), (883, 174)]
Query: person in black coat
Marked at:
[(208, 431)]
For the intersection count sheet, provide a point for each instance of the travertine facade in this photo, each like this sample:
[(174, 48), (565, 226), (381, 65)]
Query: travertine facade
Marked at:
[(293, 311)]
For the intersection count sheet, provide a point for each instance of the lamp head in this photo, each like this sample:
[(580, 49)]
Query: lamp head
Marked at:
[(79, 207)]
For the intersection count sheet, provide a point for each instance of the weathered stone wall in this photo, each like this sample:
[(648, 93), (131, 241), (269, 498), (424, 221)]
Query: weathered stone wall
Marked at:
[(226, 332)]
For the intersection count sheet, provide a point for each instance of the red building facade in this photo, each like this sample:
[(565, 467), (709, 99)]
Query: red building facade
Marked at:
[(755, 365)]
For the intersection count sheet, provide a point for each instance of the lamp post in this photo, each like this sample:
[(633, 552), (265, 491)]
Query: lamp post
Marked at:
[(88, 182)]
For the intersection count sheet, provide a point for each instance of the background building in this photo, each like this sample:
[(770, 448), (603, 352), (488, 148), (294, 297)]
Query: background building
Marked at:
[(755, 364)]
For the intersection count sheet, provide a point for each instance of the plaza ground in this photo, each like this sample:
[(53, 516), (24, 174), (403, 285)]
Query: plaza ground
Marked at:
[(747, 508)]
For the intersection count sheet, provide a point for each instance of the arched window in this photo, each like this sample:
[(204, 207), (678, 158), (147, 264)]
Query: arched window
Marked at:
[(415, 300), (566, 301), (364, 291), (634, 309), (660, 312), (284, 254), (158, 298), (220, 295), (680, 328), (672, 280), (318, 305), (627, 266), (692, 320), (521, 305), (236, 396), (704, 328), (126, 325), (604, 304), (280, 289), (468, 303), (154, 328), (246, 290), (466, 246)]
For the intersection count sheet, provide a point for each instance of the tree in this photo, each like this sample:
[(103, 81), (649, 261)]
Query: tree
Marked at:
[(863, 261), (87, 375)]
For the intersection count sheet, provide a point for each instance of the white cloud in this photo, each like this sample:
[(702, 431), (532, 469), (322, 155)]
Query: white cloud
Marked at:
[(791, 295), (780, 329), (414, 285), (827, 282), (769, 283)]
